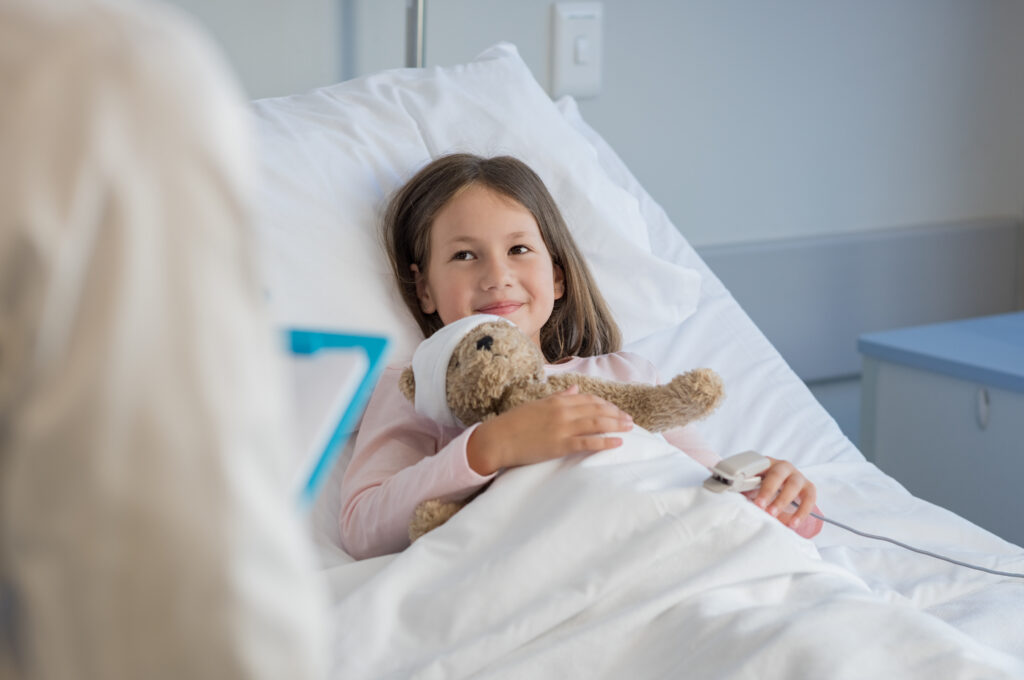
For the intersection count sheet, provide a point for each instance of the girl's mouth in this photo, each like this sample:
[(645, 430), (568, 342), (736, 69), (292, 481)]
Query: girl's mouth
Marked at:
[(500, 308)]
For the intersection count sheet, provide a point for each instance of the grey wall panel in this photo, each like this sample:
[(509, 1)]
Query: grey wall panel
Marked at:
[(812, 297)]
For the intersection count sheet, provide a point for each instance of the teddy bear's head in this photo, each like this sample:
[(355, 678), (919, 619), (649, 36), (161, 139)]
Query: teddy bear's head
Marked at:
[(492, 360)]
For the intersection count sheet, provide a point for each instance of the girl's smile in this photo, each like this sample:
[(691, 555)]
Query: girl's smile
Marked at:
[(499, 308), (487, 256)]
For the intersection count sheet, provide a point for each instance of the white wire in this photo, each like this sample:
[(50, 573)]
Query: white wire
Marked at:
[(917, 550)]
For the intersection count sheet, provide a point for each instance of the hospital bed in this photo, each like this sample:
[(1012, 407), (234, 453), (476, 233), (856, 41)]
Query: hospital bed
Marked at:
[(708, 588)]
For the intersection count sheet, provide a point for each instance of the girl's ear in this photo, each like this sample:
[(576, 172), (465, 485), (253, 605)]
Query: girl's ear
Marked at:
[(559, 282), (422, 292)]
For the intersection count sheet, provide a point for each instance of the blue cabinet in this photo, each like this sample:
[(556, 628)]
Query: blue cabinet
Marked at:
[(943, 413)]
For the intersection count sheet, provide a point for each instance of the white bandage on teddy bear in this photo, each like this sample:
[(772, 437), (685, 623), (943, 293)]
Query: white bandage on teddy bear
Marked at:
[(430, 367)]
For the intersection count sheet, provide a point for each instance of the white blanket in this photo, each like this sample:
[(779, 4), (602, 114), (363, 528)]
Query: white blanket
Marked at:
[(620, 565)]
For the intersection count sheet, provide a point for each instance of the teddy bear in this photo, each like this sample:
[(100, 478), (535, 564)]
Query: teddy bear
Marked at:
[(483, 365)]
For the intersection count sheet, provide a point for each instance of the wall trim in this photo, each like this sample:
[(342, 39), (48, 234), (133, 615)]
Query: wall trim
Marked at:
[(813, 296)]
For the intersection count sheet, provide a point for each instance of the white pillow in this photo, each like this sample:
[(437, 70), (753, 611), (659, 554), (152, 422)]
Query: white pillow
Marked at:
[(332, 158), (665, 240)]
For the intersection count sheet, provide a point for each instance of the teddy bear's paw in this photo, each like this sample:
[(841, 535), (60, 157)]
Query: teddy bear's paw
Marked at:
[(699, 391), (431, 514)]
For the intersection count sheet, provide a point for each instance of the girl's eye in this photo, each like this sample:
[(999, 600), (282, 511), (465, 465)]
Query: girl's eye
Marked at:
[(519, 250), (462, 255)]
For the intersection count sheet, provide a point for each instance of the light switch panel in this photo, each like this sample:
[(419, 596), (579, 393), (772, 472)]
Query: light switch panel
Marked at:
[(576, 49)]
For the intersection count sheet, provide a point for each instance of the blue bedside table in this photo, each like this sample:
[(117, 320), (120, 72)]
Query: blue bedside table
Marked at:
[(943, 412)]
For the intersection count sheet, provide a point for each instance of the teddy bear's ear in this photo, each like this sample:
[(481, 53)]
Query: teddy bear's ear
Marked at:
[(407, 383)]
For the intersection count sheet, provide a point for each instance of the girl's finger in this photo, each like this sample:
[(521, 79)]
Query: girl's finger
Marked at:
[(600, 425), (808, 496), (787, 494), (764, 494), (771, 482), (593, 443), (597, 408)]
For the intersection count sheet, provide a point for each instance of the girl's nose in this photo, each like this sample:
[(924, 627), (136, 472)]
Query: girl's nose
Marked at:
[(497, 275)]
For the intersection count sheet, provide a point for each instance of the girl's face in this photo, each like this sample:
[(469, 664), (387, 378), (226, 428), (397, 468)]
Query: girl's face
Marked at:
[(487, 257)]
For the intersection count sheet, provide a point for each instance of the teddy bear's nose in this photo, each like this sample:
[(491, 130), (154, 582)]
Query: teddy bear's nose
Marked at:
[(485, 342)]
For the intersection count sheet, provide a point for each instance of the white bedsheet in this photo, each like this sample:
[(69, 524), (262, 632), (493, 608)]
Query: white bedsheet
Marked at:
[(621, 565)]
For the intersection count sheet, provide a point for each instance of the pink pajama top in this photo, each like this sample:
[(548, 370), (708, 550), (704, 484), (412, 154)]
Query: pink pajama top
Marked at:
[(402, 458)]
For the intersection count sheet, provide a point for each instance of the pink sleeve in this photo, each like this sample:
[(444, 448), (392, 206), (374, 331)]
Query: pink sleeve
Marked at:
[(689, 440), (400, 459)]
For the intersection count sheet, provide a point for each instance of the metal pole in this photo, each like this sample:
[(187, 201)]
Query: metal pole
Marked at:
[(416, 33)]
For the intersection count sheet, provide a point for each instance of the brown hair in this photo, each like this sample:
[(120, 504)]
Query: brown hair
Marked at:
[(580, 322)]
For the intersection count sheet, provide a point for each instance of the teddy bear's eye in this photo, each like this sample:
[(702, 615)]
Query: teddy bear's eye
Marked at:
[(485, 342)]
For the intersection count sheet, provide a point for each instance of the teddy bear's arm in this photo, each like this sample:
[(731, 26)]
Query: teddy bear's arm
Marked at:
[(685, 398), (407, 384)]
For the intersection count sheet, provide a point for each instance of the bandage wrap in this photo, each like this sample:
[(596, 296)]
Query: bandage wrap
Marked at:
[(430, 367)]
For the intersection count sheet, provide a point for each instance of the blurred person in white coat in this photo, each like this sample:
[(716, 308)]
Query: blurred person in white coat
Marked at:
[(145, 525)]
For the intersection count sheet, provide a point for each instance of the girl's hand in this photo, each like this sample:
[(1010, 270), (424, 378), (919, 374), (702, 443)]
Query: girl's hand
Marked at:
[(781, 485), (556, 426)]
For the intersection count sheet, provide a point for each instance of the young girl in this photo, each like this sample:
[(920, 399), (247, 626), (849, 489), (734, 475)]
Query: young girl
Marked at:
[(470, 235)]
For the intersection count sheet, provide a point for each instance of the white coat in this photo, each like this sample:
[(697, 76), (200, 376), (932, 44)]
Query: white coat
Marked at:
[(145, 526)]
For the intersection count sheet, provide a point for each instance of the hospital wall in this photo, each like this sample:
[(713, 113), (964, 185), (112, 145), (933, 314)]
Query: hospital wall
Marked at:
[(749, 120), (276, 48), (844, 166)]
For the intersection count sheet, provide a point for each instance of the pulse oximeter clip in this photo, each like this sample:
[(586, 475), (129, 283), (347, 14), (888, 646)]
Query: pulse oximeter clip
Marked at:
[(741, 472)]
